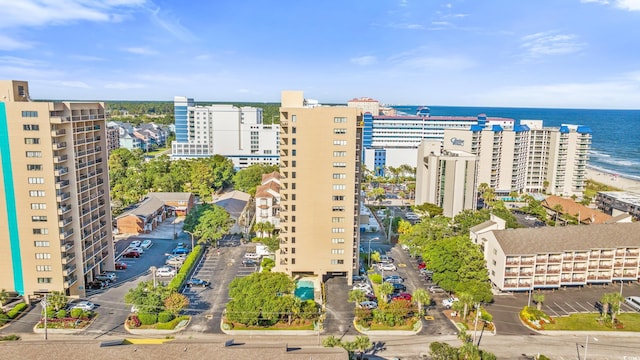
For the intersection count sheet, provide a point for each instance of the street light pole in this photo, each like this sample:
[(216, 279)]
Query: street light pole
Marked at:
[(153, 272), (190, 233)]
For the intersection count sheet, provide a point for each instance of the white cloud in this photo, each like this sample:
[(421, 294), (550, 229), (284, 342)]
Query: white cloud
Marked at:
[(421, 59), (8, 44), (549, 43), (363, 60), (628, 5), (403, 3), (46, 12), (140, 51), (171, 25), (124, 86), (76, 84)]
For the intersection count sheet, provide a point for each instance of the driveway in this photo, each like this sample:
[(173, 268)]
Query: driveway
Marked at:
[(339, 312)]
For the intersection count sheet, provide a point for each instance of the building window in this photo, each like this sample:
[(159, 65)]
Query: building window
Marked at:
[(44, 280), (493, 273), (40, 231), (293, 197), (339, 142), (337, 241), (35, 180), (339, 131), (39, 218), (293, 229), (338, 198), (339, 153), (293, 141), (337, 230), (339, 119), (337, 251), (293, 175), (293, 163), (38, 206), (293, 130), (293, 219), (495, 251), (41, 244), (43, 267), (337, 208), (337, 219), (32, 154), (29, 113), (36, 193), (339, 187), (43, 256), (30, 127), (34, 167), (494, 263), (293, 250), (339, 164), (337, 261), (293, 240), (293, 186), (32, 141), (293, 118), (339, 176), (293, 261), (293, 152)]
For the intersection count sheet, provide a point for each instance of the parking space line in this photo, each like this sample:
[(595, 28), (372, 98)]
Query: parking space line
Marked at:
[(585, 309), (561, 309), (553, 311), (574, 309)]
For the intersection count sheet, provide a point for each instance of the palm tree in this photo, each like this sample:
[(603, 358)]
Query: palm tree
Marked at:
[(4, 296), (421, 296), (539, 299), (557, 208), (605, 300), (385, 290), (616, 300), (356, 296), (331, 341), (466, 300), (259, 227), (56, 300), (362, 343)]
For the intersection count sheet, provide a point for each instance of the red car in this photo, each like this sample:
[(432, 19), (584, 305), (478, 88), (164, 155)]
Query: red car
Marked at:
[(120, 265), (401, 296), (131, 254), (422, 265)]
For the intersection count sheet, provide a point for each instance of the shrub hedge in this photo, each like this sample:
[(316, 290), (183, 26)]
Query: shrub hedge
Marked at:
[(165, 317), (17, 310), (188, 264), (171, 324), (147, 318), (61, 314), (76, 313), (3, 319)]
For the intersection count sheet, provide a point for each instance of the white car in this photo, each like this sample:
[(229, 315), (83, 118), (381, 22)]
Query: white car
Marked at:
[(368, 305), (530, 218), (251, 256), (448, 303), (174, 261), (165, 272), (84, 305), (135, 243), (388, 267), (363, 287), (146, 244), (138, 249)]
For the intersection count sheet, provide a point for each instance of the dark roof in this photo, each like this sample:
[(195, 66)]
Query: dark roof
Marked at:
[(171, 196), (234, 202), (568, 238)]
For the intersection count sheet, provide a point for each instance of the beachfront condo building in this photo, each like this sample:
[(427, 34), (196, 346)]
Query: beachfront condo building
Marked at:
[(237, 133), (55, 227), (446, 178), (526, 157), (320, 157)]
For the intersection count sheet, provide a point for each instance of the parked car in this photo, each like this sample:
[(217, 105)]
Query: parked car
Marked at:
[(249, 262), (358, 278), (371, 297), (448, 303), (138, 249), (165, 272), (135, 243), (146, 244), (422, 265), (197, 282), (131, 254), (388, 267), (398, 288), (385, 259), (251, 255), (97, 285), (181, 245), (174, 261), (369, 305), (106, 276), (84, 305), (435, 289), (180, 251), (401, 296), (119, 265), (363, 287), (633, 301), (530, 218), (395, 279)]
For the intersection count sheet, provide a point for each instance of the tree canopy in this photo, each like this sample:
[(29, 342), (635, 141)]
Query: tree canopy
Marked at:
[(249, 178)]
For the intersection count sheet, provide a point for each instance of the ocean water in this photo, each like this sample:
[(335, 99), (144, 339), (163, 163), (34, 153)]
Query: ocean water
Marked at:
[(615, 146)]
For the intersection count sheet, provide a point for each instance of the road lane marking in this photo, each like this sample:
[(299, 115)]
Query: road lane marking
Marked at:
[(574, 309)]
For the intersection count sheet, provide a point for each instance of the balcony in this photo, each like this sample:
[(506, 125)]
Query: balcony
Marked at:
[(64, 209), (555, 259), (69, 281), (68, 270), (60, 170), (62, 184), (63, 196), (59, 159), (66, 246), (66, 234), (58, 132), (64, 222), (68, 259), (59, 145)]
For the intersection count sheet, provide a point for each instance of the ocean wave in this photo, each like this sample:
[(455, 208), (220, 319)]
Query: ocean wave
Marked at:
[(618, 162), (598, 154), (613, 172)]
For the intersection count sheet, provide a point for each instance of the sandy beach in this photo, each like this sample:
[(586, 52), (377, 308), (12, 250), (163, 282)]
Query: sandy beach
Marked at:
[(613, 180)]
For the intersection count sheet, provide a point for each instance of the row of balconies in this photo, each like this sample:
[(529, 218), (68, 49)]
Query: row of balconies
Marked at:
[(88, 152), (84, 176), (80, 129), (87, 140)]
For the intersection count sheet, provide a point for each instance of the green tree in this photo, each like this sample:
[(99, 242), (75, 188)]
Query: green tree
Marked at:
[(4, 296), (249, 178), (466, 301), (331, 341), (147, 298), (442, 351), (539, 299), (56, 300), (212, 224), (175, 302), (427, 209), (362, 343), (378, 194), (385, 290), (421, 296), (356, 296), (615, 301)]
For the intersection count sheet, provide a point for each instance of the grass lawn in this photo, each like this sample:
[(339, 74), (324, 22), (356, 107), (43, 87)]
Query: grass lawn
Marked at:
[(307, 325), (408, 325), (590, 322)]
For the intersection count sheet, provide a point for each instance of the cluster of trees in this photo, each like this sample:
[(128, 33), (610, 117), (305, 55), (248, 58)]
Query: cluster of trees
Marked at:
[(55, 309), (266, 298), (360, 343), (388, 313), (132, 177), (468, 351), (249, 178), (155, 302), (208, 223)]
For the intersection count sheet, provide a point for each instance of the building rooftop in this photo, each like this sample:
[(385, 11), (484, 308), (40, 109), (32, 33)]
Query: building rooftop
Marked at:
[(623, 196), (570, 207), (234, 202), (568, 238)]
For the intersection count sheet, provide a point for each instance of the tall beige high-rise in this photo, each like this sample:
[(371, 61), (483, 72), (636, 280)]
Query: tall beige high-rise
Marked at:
[(55, 222), (320, 156)]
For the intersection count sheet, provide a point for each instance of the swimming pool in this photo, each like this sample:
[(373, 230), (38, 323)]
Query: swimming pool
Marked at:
[(304, 290)]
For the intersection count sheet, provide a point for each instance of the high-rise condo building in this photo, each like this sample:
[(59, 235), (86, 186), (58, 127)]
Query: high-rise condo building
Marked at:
[(237, 133), (320, 156), (55, 227)]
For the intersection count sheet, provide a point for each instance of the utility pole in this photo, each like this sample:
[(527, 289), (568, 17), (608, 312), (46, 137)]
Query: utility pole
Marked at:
[(475, 326), (44, 307)]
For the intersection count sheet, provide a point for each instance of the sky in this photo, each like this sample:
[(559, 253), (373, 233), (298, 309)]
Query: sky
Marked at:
[(535, 53)]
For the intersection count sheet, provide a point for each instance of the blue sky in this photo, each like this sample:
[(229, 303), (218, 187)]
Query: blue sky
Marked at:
[(536, 53)]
